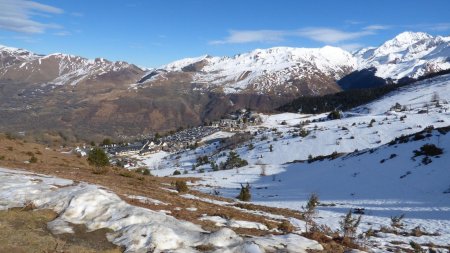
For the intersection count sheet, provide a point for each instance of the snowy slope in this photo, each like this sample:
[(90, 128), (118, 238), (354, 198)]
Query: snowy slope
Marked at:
[(386, 180), (409, 54)]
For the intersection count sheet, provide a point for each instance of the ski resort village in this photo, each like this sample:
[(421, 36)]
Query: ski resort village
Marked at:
[(224, 126)]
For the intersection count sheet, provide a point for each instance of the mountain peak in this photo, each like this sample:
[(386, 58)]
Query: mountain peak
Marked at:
[(402, 41), (409, 36)]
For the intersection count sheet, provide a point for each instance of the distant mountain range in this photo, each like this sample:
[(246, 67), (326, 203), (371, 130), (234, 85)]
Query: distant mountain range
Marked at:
[(77, 97)]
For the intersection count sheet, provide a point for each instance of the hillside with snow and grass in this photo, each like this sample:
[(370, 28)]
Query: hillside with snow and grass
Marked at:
[(136, 229), (373, 159)]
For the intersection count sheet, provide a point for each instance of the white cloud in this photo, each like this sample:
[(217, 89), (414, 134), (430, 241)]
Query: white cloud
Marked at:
[(328, 35), (321, 34), (63, 33), (237, 37), (77, 14), (17, 16), (435, 27), (377, 27)]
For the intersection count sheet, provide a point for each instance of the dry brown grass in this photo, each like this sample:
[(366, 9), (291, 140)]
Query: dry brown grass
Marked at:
[(26, 231)]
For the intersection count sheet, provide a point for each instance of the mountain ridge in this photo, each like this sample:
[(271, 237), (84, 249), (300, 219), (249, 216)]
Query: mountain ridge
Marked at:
[(97, 97)]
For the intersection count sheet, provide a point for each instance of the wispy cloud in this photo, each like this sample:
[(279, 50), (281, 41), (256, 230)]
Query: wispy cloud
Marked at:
[(321, 34), (437, 27), (77, 14), (236, 37), (18, 16), (63, 33), (332, 36)]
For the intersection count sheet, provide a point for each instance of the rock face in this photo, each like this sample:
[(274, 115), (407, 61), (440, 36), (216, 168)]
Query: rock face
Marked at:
[(76, 97)]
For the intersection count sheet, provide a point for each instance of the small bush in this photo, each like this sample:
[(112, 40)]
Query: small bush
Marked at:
[(303, 133), (349, 225), (234, 161), (144, 171), (126, 173), (334, 115), (396, 221), (100, 170), (428, 150), (245, 194), (201, 160), (176, 172), (33, 159), (416, 247), (181, 186), (286, 227), (309, 211), (98, 157), (205, 248)]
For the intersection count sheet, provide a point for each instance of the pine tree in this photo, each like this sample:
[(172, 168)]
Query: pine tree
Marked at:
[(98, 158), (349, 225), (310, 210)]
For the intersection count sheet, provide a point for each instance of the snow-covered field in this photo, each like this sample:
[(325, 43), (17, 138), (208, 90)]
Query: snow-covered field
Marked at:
[(386, 180), (137, 229)]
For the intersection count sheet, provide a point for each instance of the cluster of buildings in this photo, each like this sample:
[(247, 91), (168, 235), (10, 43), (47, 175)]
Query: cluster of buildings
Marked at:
[(187, 138), (238, 120)]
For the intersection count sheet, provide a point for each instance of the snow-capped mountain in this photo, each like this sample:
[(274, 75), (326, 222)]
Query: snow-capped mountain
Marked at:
[(312, 71), (22, 66), (409, 54), (276, 70)]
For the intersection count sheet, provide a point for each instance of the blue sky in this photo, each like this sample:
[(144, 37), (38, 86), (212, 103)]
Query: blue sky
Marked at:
[(155, 32)]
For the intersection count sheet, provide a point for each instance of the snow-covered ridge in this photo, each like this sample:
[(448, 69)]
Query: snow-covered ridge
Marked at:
[(277, 70), (409, 54), (263, 69)]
